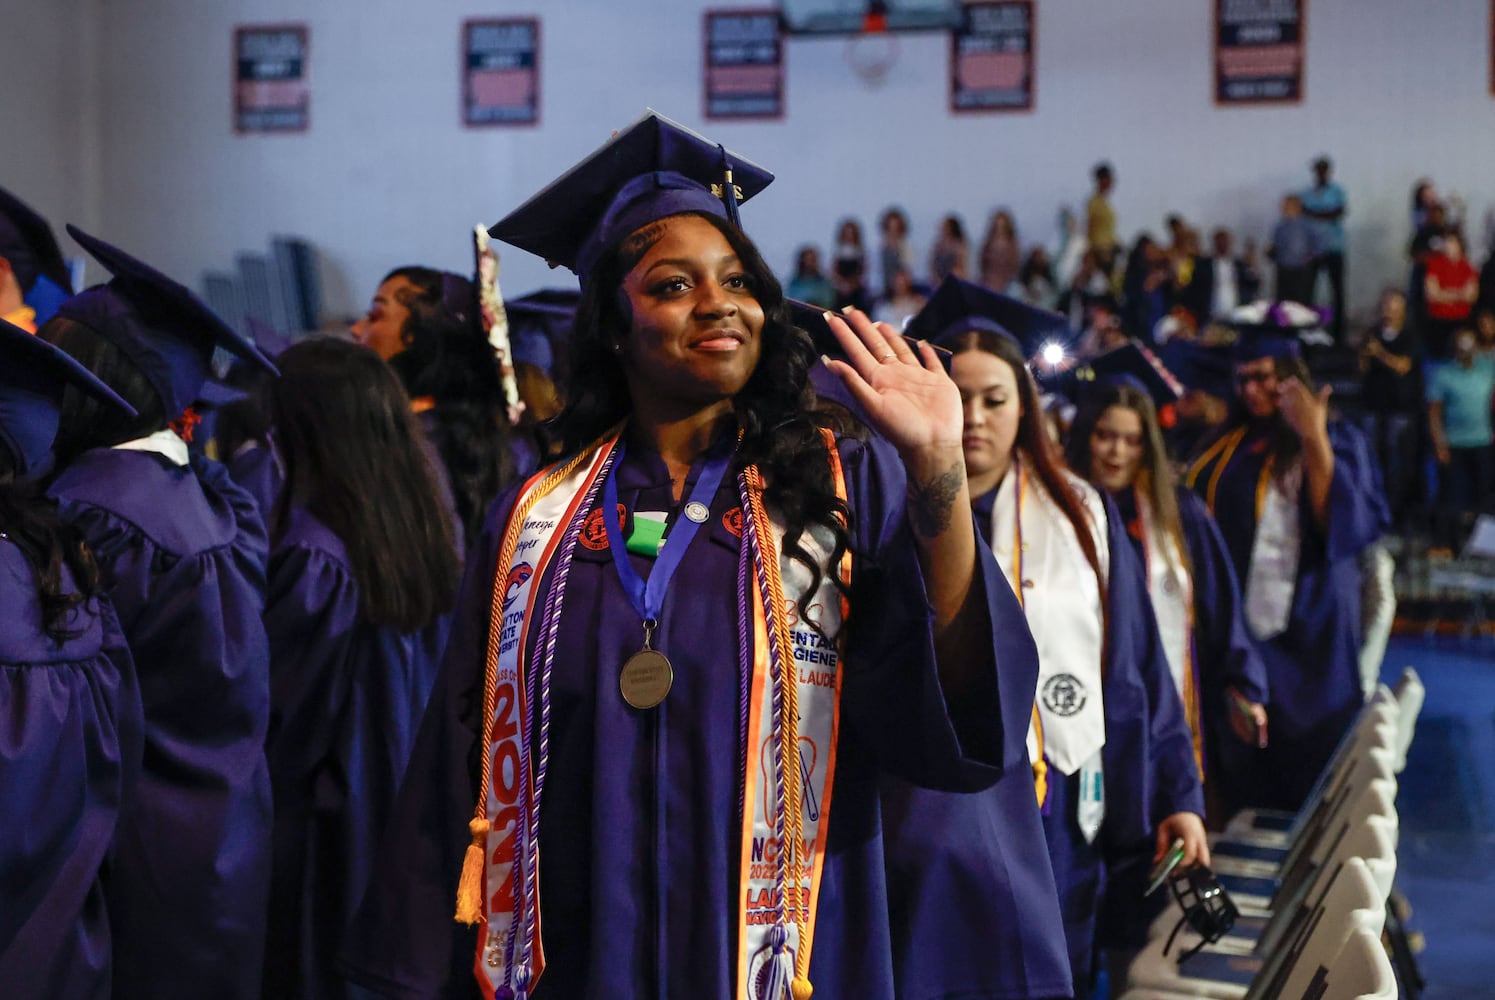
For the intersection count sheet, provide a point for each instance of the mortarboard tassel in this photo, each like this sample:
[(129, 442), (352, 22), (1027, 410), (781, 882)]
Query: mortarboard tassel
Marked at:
[(470, 888), (729, 190)]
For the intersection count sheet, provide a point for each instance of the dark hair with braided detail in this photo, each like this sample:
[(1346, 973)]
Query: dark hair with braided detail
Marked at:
[(30, 520), (777, 411)]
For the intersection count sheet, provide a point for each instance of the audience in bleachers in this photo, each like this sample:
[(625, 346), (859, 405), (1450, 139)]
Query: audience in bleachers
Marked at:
[(1001, 255)]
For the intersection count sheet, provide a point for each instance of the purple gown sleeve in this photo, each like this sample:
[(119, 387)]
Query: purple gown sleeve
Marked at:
[(893, 700), (70, 746), (404, 943), (310, 615), (1149, 753), (1357, 500), (187, 894)]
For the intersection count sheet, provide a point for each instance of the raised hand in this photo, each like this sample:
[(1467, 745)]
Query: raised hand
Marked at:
[(908, 397), (1306, 413)]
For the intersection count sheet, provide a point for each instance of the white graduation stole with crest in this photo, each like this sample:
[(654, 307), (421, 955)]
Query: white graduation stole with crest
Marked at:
[(1040, 554)]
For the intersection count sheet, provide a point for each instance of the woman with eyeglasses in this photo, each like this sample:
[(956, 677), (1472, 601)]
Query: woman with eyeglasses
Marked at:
[(1298, 499)]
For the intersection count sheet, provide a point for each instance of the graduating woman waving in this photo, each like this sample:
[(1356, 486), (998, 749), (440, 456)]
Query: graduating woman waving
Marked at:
[(685, 652)]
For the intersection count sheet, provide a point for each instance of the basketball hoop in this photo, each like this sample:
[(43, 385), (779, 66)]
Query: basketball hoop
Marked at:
[(873, 51)]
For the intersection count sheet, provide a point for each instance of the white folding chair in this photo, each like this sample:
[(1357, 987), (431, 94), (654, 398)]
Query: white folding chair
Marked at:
[(1410, 695), (1371, 840), (1286, 826), (1250, 857), (1258, 885), (1361, 971), (1351, 901)]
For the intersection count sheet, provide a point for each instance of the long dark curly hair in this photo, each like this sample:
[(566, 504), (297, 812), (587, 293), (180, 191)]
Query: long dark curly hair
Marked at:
[(777, 411), (30, 520), (447, 358)]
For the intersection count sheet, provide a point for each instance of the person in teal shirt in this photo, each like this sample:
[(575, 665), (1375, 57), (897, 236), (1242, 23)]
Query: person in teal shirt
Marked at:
[(1459, 394), (1325, 204)]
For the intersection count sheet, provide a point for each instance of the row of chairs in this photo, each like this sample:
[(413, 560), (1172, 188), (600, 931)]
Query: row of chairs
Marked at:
[(1310, 888)]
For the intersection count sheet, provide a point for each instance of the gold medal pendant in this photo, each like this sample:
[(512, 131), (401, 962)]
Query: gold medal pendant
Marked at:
[(646, 678)]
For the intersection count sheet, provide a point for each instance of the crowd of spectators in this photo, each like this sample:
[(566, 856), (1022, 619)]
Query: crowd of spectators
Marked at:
[(1426, 363)]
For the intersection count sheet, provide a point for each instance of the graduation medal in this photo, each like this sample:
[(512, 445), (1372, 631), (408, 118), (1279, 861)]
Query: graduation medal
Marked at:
[(646, 678), (647, 675)]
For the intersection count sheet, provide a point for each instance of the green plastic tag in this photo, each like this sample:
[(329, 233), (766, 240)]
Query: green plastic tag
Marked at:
[(647, 535)]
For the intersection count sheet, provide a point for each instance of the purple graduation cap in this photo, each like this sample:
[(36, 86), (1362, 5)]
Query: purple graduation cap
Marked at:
[(653, 169), (958, 306), (540, 321), (26, 241), (1130, 364), (165, 330), (1202, 366), (33, 375)]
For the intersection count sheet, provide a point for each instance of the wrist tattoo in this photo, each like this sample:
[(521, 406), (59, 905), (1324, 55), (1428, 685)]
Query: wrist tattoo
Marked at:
[(931, 504)]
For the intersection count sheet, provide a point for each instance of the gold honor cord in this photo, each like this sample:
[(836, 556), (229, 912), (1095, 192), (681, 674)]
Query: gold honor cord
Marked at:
[(1039, 764)]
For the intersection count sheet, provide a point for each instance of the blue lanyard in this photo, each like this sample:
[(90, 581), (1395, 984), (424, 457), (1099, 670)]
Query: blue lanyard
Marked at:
[(648, 599)]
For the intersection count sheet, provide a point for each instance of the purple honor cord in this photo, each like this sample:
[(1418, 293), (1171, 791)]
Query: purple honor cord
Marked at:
[(648, 598), (521, 930)]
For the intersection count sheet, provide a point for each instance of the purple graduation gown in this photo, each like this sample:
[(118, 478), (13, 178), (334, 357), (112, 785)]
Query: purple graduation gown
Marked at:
[(346, 699), (1223, 653), (1312, 667), (1148, 762), (70, 745), (639, 832), (182, 551), (257, 470), (971, 900)]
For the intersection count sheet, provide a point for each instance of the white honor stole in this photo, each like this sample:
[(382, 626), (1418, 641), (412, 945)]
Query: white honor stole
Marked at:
[(1039, 552), (1172, 594), (1272, 577), (786, 810)]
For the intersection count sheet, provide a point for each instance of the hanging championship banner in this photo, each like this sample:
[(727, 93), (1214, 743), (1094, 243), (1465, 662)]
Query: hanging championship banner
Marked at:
[(1260, 51), (501, 72), (744, 64), (991, 57), (270, 65)]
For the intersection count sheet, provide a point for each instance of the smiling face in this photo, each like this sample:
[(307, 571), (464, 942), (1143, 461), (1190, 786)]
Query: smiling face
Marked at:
[(993, 411), (380, 330), (696, 332), (1116, 447)]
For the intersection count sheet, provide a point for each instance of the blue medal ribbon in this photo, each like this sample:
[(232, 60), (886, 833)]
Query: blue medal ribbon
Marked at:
[(648, 598)]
